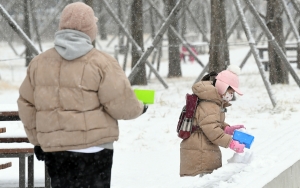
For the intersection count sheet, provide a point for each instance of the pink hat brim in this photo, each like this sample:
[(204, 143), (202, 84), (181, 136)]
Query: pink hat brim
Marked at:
[(222, 87), (236, 90)]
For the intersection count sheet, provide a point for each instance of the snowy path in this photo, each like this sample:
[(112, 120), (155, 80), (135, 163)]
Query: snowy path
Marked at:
[(269, 161)]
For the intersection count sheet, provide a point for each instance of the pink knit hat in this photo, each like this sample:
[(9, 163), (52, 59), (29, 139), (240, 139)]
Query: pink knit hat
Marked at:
[(79, 16), (228, 78)]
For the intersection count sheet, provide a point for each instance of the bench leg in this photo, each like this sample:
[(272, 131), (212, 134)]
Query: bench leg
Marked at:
[(47, 178), (30, 171), (22, 171)]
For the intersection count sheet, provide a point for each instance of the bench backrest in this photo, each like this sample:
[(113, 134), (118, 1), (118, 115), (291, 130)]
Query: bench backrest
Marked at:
[(12, 116), (9, 116), (2, 130), (5, 165)]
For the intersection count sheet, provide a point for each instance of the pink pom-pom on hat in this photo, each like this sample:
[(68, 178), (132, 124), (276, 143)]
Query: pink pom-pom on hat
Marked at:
[(228, 77)]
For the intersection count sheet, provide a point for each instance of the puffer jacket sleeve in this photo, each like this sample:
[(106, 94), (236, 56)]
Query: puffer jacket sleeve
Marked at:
[(208, 116), (115, 93), (27, 110)]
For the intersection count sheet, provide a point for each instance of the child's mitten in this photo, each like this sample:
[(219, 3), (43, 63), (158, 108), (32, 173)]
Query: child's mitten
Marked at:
[(236, 146), (230, 129)]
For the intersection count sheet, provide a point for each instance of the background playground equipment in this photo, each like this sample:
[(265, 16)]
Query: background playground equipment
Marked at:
[(146, 96), (243, 138)]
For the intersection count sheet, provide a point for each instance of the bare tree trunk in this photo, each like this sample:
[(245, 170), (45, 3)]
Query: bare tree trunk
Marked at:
[(218, 48), (183, 22), (137, 35), (238, 32), (174, 58), (17, 29), (207, 12), (204, 19), (152, 25), (278, 72), (102, 22), (35, 24), (26, 26), (120, 16), (298, 52), (89, 2)]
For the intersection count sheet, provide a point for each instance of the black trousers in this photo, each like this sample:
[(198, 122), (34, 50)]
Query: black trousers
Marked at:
[(79, 170)]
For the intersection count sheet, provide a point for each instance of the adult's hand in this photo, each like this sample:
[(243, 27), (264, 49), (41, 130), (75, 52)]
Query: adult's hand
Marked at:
[(39, 153)]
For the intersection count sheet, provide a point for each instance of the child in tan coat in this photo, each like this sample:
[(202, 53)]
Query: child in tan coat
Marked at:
[(200, 153)]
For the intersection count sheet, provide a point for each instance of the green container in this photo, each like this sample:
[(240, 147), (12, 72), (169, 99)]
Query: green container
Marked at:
[(146, 96)]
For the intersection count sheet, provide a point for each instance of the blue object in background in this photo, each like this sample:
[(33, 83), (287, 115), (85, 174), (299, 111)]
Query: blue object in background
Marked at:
[(243, 138)]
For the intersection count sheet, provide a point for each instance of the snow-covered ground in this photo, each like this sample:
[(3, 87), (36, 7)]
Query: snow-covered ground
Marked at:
[(147, 153)]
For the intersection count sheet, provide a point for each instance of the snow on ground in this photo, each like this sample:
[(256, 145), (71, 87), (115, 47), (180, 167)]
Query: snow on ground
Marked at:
[(147, 153)]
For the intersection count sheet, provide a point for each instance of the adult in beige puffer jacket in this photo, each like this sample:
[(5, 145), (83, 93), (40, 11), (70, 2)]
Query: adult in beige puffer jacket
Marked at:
[(71, 99), (200, 153)]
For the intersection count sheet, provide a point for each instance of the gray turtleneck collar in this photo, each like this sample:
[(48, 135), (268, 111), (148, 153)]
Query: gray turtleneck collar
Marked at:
[(71, 44)]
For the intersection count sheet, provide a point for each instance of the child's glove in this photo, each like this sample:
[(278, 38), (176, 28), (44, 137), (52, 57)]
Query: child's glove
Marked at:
[(230, 130), (236, 146)]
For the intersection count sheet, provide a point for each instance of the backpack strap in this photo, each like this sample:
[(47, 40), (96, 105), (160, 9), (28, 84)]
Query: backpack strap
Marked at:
[(192, 102), (185, 123)]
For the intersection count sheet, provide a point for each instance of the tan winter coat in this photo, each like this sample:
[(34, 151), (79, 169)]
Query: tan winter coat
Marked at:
[(67, 105), (200, 153)]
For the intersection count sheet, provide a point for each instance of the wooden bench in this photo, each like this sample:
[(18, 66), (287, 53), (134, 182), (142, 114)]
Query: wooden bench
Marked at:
[(265, 62), (20, 153), (2, 130), (5, 165), (201, 47), (9, 116)]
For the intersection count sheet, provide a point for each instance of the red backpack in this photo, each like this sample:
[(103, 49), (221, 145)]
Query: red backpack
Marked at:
[(185, 123)]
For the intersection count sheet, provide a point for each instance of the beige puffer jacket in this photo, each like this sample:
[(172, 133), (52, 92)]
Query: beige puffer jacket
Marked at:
[(200, 153), (67, 105)]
